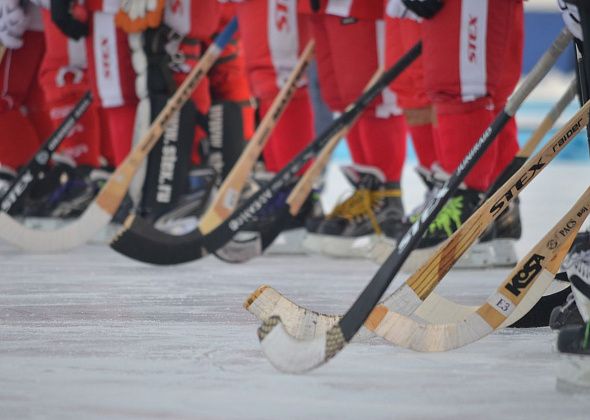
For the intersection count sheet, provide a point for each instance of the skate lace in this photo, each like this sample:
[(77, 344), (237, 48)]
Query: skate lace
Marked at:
[(362, 204), (450, 214)]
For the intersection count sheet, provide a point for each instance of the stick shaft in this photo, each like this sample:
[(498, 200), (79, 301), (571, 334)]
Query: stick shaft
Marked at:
[(112, 194), (527, 150), (305, 184), (226, 199), (362, 307), (28, 172), (261, 198)]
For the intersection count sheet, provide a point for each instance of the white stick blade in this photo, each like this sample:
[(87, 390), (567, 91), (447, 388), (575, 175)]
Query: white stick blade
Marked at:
[(74, 234), (288, 354)]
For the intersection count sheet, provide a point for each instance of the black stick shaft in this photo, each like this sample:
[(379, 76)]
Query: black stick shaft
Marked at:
[(28, 172), (362, 307), (258, 200)]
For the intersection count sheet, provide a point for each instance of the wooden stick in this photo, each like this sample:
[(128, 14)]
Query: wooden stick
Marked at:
[(226, 199), (266, 302), (305, 184), (106, 203)]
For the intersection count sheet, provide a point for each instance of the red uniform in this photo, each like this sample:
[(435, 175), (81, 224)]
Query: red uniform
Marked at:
[(64, 77), (22, 110), (474, 56), (401, 35), (228, 78), (112, 78), (273, 36), (198, 22), (350, 37)]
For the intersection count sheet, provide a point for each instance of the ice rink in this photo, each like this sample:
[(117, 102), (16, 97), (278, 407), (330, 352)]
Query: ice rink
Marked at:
[(91, 334)]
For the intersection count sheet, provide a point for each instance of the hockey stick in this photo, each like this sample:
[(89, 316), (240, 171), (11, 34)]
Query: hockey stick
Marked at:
[(385, 246), (305, 184), (28, 173), (140, 241), (227, 197), (226, 200), (106, 203), (266, 302), (2, 52), (533, 275), (417, 287), (240, 250), (291, 355)]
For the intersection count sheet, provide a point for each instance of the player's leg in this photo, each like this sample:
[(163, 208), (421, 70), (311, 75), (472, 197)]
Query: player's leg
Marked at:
[(18, 71), (465, 45), (271, 50), (377, 142)]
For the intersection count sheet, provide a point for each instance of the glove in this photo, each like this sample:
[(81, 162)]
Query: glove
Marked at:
[(571, 18), (424, 8), (13, 23), (397, 9), (63, 17), (139, 15)]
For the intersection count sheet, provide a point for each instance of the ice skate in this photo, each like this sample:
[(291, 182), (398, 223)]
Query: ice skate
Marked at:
[(450, 218), (351, 229)]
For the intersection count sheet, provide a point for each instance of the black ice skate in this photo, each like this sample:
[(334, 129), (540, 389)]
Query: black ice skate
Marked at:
[(184, 216), (457, 210), (64, 191), (496, 246), (575, 266), (565, 315), (374, 209), (270, 224)]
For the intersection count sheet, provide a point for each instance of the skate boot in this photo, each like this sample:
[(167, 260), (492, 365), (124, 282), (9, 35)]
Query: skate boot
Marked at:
[(290, 240), (433, 180), (496, 246), (308, 217), (573, 341), (184, 217), (375, 208), (263, 228), (566, 314), (577, 266), (64, 192), (450, 218), (500, 240)]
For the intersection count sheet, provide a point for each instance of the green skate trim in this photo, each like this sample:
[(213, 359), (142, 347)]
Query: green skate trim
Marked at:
[(450, 213)]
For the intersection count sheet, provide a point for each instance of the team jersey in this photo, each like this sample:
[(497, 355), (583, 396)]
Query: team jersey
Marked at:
[(360, 9)]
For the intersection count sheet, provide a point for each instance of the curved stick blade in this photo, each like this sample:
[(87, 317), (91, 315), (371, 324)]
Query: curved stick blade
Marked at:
[(141, 241), (68, 237), (290, 355)]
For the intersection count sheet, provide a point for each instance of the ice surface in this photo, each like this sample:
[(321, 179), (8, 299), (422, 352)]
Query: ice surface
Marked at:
[(91, 334)]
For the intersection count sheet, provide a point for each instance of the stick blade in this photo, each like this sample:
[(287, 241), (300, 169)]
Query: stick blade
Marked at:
[(300, 322), (139, 240), (74, 234), (290, 355)]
